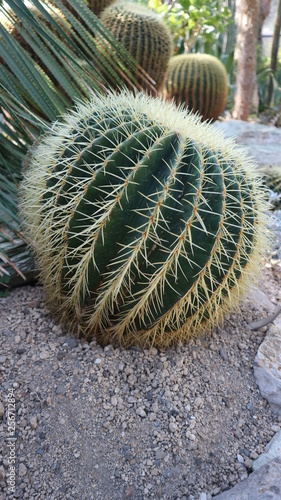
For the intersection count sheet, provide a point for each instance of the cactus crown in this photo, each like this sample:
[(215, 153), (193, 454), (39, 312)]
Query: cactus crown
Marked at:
[(144, 35), (146, 223), (97, 6), (200, 82)]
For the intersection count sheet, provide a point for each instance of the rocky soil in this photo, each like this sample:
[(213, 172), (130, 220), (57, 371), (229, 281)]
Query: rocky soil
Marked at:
[(100, 424)]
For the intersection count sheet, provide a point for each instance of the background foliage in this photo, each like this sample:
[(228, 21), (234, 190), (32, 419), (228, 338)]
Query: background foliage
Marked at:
[(194, 23)]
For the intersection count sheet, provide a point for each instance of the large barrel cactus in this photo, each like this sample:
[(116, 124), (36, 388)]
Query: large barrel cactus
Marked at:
[(200, 82), (146, 223), (144, 35)]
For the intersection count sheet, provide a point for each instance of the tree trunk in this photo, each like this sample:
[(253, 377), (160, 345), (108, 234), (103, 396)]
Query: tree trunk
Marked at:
[(274, 52), (246, 56)]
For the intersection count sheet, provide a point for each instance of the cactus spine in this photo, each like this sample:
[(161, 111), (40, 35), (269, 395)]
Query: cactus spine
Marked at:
[(96, 6), (144, 35), (199, 81), (146, 223)]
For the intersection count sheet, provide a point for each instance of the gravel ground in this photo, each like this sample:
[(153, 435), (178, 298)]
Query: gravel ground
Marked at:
[(100, 424)]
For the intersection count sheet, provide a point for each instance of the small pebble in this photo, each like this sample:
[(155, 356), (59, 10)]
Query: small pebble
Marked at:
[(22, 470), (223, 354), (33, 421), (173, 427), (141, 412)]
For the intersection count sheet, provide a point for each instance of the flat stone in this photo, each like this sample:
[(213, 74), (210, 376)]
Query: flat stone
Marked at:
[(43, 354), (267, 368), (273, 450), (260, 299), (60, 389), (71, 342), (262, 484), (203, 496), (159, 454), (223, 354), (261, 142)]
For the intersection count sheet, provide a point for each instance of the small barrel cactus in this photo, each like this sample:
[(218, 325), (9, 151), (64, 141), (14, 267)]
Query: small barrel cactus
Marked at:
[(272, 178), (272, 181), (146, 223), (200, 82), (144, 35)]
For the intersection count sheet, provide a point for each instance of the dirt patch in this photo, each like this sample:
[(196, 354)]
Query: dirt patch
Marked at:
[(109, 423)]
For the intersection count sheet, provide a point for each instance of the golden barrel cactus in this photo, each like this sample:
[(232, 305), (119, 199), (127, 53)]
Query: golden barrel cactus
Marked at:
[(144, 35), (199, 82), (147, 224), (96, 6)]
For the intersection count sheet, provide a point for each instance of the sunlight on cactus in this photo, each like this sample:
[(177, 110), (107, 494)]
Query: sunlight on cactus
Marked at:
[(144, 35), (199, 82), (146, 223)]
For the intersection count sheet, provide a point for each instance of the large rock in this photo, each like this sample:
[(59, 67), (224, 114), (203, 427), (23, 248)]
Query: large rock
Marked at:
[(267, 368), (260, 299), (263, 142), (273, 450), (263, 484)]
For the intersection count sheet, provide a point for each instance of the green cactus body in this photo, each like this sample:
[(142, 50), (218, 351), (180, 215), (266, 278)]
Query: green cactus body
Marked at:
[(146, 223), (96, 6), (144, 35), (272, 178), (199, 81)]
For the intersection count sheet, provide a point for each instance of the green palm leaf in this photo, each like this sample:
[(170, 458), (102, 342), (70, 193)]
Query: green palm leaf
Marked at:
[(41, 78)]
